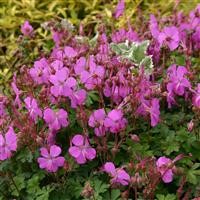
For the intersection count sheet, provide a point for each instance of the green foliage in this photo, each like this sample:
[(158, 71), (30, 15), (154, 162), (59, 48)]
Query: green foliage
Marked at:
[(167, 197), (135, 52)]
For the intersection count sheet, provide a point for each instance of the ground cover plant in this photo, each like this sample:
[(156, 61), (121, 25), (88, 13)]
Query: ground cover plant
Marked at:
[(108, 114), (88, 12)]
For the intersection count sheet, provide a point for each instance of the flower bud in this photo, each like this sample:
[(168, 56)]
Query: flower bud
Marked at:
[(190, 126), (87, 191), (135, 138)]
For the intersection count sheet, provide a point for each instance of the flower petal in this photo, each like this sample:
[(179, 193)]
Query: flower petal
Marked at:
[(78, 140), (55, 151), (75, 151)]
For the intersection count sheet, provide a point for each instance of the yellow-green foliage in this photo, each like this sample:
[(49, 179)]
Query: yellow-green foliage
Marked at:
[(90, 12)]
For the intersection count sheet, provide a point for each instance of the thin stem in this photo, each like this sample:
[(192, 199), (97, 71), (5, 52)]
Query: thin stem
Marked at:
[(12, 180)]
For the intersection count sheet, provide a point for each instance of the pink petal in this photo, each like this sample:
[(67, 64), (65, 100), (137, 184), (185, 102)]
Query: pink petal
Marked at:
[(78, 140), (59, 161), (168, 176), (49, 115), (162, 161), (11, 139), (71, 82), (70, 52), (80, 65), (81, 159), (44, 152), (115, 114), (55, 151), (75, 151), (42, 162), (62, 74), (90, 153), (2, 141), (109, 167)]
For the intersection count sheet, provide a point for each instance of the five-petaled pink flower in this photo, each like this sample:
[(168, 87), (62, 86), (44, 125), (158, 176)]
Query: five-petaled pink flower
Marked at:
[(177, 80), (26, 28), (163, 166), (115, 121), (119, 175), (96, 121), (32, 106), (170, 37), (81, 149), (8, 143), (56, 120), (40, 71), (94, 76), (51, 161), (63, 85)]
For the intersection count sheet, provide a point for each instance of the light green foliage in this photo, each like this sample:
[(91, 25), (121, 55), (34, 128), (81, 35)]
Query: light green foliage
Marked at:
[(136, 53), (166, 197)]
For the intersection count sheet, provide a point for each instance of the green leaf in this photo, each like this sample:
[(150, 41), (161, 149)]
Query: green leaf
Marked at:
[(191, 177), (135, 52), (100, 187), (17, 185), (167, 197)]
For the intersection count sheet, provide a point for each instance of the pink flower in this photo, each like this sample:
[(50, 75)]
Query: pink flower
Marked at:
[(170, 37), (122, 35), (17, 92), (57, 37), (94, 76), (119, 175), (170, 95), (56, 120), (51, 161), (80, 65), (26, 28), (151, 107), (81, 151), (78, 98), (32, 106), (117, 88), (62, 83), (96, 121), (177, 81), (8, 144), (119, 9), (57, 65), (115, 121), (163, 165), (69, 52), (40, 72), (196, 97), (154, 27), (154, 111)]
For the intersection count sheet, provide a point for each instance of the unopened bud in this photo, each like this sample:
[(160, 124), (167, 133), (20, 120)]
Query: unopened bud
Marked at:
[(190, 126), (135, 138), (39, 140), (87, 191), (114, 150), (125, 195)]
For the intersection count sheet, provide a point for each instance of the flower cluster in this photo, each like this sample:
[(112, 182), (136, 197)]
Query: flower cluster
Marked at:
[(89, 97)]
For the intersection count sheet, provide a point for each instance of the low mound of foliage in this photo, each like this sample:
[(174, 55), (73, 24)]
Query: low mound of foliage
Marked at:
[(87, 12), (111, 116)]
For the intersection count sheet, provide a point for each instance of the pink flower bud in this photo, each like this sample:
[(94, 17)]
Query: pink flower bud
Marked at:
[(190, 126), (135, 138)]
